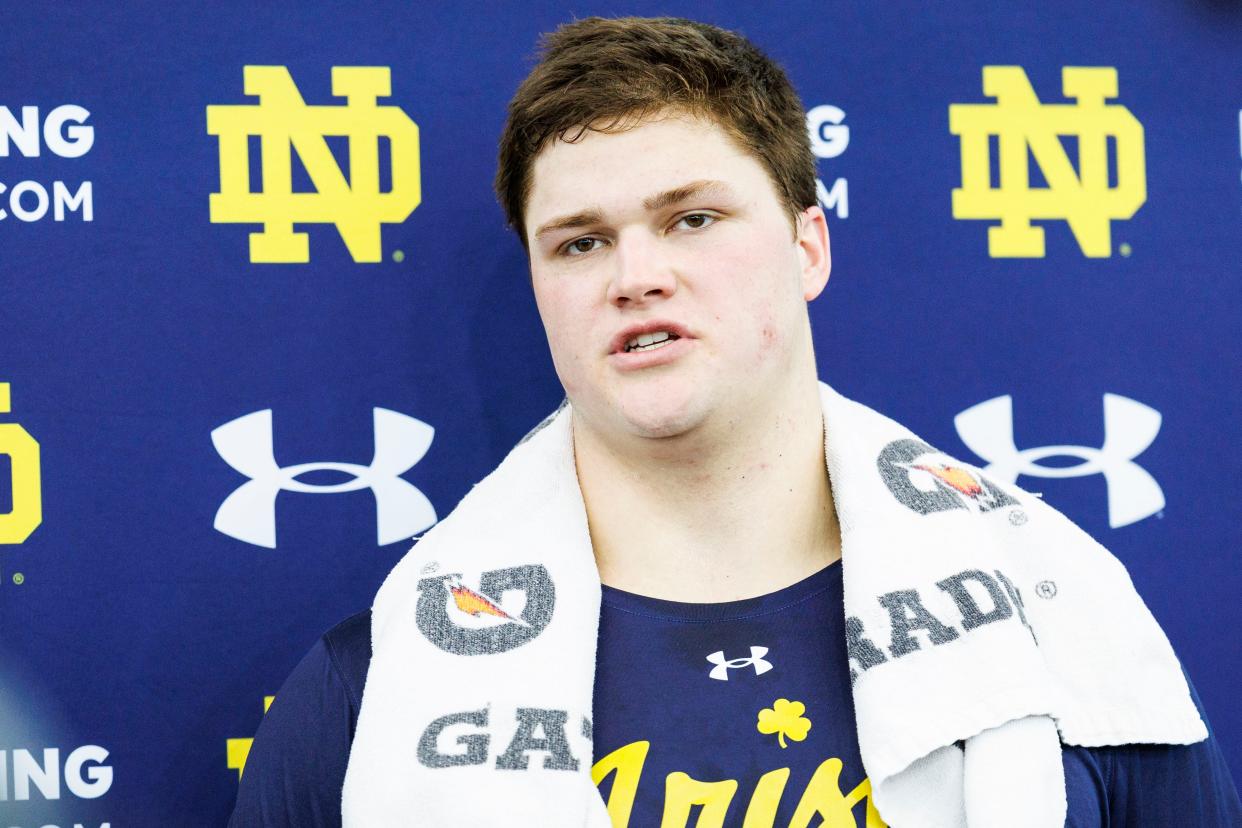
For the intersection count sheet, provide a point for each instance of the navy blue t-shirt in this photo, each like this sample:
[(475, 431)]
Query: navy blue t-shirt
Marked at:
[(707, 714)]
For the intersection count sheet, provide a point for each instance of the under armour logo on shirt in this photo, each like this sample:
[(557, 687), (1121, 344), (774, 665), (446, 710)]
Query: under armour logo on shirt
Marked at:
[(723, 665)]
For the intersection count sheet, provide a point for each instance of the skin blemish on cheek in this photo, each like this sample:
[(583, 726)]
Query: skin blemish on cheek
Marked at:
[(769, 333)]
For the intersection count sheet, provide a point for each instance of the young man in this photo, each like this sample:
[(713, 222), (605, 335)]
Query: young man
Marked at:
[(659, 175)]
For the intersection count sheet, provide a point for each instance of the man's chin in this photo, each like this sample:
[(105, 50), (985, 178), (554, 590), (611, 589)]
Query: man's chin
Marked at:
[(655, 414), (664, 429), (660, 418)]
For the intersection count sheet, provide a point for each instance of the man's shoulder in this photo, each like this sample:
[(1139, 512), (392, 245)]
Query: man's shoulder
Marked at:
[(348, 645)]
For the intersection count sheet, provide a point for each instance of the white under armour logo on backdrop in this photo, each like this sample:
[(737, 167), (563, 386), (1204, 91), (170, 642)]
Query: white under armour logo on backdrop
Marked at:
[(249, 513), (1129, 428), (723, 665)]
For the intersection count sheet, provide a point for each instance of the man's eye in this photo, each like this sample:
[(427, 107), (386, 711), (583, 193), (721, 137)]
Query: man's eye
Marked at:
[(696, 221), (583, 245)]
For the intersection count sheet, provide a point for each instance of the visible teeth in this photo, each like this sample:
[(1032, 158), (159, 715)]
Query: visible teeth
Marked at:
[(649, 341)]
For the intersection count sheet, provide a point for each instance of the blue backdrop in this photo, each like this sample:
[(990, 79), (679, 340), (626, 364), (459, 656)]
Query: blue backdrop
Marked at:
[(164, 562)]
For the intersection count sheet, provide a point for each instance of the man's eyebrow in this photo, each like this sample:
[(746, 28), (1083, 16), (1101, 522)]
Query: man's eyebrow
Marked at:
[(593, 215), (685, 191), (589, 216)]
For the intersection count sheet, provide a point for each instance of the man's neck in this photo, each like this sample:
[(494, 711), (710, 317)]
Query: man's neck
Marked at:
[(709, 517)]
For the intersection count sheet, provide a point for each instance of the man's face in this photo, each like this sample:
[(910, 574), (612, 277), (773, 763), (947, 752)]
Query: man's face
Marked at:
[(670, 282)]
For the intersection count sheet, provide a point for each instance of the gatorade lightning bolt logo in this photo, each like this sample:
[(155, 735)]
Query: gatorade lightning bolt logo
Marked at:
[(928, 481), (1020, 121), (472, 603), (953, 476), (284, 122), (493, 619), (25, 478)]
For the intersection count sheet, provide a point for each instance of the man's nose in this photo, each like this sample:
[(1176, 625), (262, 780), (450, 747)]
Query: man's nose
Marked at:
[(641, 272)]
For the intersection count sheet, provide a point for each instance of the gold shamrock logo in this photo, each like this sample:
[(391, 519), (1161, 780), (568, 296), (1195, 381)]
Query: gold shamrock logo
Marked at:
[(785, 718)]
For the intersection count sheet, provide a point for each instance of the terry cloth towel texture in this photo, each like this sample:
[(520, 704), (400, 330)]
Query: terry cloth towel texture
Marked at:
[(983, 628)]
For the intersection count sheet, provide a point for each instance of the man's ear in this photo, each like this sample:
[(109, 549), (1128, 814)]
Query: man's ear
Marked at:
[(813, 251)]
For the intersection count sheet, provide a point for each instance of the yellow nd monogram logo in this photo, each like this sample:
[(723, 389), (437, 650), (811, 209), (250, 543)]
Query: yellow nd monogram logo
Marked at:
[(1018, 119), (23, 452), (283, 122)]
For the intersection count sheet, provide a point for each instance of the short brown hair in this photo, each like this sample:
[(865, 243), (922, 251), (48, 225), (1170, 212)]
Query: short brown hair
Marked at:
[(606, 75)]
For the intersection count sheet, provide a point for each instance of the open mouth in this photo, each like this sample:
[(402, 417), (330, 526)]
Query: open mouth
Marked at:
[(650, 341)]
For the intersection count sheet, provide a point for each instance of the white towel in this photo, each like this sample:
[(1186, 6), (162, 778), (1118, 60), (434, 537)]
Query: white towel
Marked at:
[(983, 627)]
